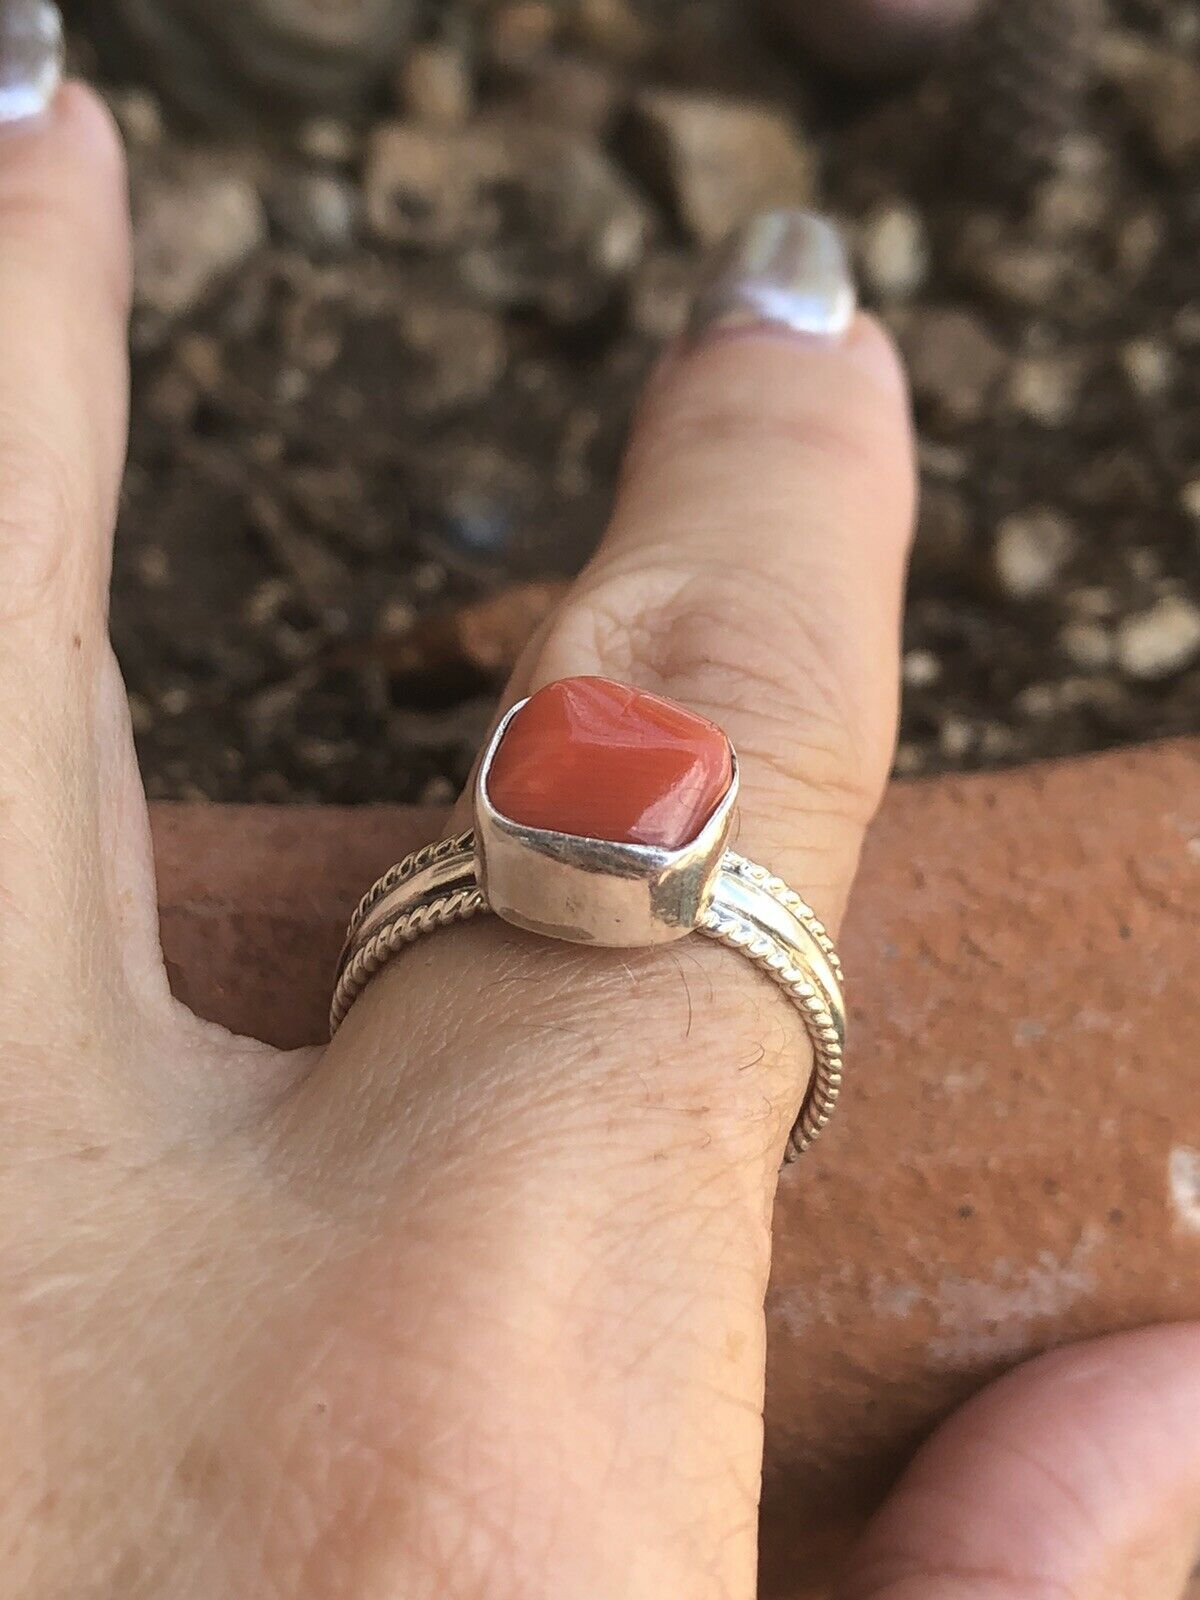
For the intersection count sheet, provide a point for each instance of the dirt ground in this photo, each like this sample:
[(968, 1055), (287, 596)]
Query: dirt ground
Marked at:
[(383, 367)]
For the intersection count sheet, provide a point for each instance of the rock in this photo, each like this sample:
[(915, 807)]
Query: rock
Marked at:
[(1138, 242), (485, 636), (1161, 641), (574, 229), (1012, 267), (139, 116), (319, 211), (433, 189), (436, 84), (1161, 87), (458, 352), (1045, 388), (660, 300), (323, 580), (895, 252), (921, 669), (329, 141), (719, 160), (1189, 499), (954, 363), (538, 215), (197, 219), (574, 92), (221, 59), (614, 29), (1031, 549), (1148, 366), (1087, 645), (521, 32)]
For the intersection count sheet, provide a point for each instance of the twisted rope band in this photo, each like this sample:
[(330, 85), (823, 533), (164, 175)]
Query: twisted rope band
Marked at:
[(752, 912)]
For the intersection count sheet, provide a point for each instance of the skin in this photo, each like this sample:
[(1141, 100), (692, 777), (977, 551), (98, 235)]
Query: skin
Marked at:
[(470, 1303)]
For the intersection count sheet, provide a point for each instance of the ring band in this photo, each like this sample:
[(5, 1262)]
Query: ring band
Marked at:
[(639, 883)]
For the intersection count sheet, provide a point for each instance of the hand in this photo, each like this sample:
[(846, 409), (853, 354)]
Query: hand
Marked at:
[(470, 1303)]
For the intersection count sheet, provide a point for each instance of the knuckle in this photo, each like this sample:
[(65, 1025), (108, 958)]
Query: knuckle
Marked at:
[(752, 655)]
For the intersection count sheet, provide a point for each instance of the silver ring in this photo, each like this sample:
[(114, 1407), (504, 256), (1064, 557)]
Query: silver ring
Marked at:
[(622, 892)]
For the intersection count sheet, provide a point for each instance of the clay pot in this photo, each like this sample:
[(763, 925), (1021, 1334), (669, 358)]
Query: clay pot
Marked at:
[(1017, 1161)]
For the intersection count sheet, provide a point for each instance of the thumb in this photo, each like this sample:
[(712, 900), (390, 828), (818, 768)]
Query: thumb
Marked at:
[(1075, 1478)]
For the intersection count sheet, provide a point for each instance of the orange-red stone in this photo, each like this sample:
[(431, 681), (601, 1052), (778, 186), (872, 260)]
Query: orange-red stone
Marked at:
[(604, 761)]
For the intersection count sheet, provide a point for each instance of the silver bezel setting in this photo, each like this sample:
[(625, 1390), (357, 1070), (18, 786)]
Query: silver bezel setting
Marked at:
[(592, 891)]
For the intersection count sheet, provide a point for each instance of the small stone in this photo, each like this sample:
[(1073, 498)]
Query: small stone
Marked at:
[(955, 738), (922, 669), (1138, 242), (1162, 95), (31, 57), (538, 215), (575, 228), (1161, 641), (483, 637), (1038, 701), (895, 252), (1069, 204), (458, 352), (319, 211), (660, 299), (1030, 551), (1009, 267), (613, 28), (433, 188), (1189, 499), (139, 116), (521, 31), (196, 221), (1092, 601), (328, 140), (600, 760), (435, 84), (954, 363), (1148, 366), (1087, 646), (719, 160), (574, 92), (910, 760), (1045, 388)]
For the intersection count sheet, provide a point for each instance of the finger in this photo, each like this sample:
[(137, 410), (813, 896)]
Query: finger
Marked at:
[(599, 1132), (753, 571), (754, 566), (874, 37), (1077, 1475), (64, 288)]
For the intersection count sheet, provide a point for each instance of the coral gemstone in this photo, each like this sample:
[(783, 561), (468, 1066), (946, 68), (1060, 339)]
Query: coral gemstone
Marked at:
[(604, 761)]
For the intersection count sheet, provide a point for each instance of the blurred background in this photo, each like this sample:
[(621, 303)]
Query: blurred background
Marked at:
[(402, 267)]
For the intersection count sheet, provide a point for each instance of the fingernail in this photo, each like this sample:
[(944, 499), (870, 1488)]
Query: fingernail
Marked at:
[(785, 269), (31, 58)]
